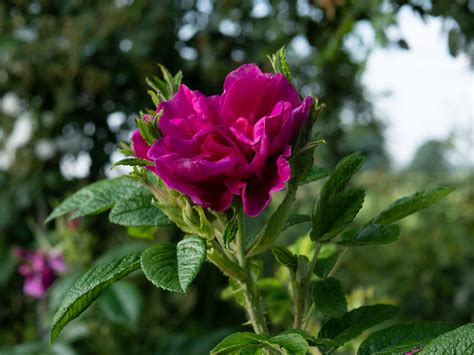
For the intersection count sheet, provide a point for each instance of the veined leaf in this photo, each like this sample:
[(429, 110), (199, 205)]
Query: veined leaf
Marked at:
[(355, 322), (334, 214), (137, 209), (329, 298), (402, 337), (191, 253), (457, 341), (236, 342), (371, 234), (95, 198), (172, 267), (408, 205), (341, 175), (87, 288), (337, 206), (290, 343), (160, 265)]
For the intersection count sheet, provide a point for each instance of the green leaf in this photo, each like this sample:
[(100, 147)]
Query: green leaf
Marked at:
[(295, 219), (88, 287), (355, 322), (337, 206), (457, 341), (408, 205), (133, 162), (315, 174), (95, 198), (329, 298), (172, 267), (230, 232), (333, 215), (137, 209), (191, 253), (160, 265), (285, 257), (291, 343), (236, 342), (341, 175), (324, 265), (402, 337), (372, 234)]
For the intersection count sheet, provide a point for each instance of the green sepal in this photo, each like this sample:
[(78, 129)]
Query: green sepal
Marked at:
[(230, 232), (279, 63), (133, 162)]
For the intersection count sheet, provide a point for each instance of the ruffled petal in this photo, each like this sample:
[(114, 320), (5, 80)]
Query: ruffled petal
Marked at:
[(257, 194)]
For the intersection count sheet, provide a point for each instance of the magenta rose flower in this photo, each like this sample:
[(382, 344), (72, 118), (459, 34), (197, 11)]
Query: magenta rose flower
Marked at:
[(236, 144), (40, 269)]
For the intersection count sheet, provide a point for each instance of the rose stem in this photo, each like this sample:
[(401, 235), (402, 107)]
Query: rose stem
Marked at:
[(254, 307)]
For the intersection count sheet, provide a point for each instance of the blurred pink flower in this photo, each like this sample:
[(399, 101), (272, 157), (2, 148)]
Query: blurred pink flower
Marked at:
[(236, 144), (40, 269)]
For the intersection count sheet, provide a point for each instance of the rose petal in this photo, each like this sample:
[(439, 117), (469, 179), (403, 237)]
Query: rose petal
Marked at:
[(256, 195), (139, 145)]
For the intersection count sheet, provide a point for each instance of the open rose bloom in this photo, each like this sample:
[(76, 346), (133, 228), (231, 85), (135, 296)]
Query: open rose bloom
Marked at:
[(234, 144), (40, 269)]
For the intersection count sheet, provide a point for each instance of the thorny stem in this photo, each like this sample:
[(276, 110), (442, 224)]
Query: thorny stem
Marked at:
[(252, 299)]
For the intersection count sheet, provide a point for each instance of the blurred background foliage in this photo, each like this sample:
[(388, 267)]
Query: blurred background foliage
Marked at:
[(71, 84)]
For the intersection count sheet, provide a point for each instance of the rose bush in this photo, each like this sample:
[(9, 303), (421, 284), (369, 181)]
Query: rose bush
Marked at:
[(210, 149), (236, 144)]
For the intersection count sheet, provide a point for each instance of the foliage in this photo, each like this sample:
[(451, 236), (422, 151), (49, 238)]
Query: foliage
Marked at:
[(172, 267), (68, 65)]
